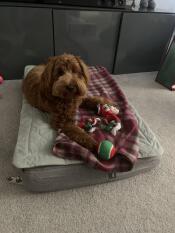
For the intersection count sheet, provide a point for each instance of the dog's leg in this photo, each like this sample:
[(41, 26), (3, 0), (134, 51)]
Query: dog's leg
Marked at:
[(78, 135), (74, 132), (92, 102)]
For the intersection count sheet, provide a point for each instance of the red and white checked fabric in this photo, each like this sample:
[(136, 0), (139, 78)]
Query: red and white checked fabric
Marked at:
[(102, 84)]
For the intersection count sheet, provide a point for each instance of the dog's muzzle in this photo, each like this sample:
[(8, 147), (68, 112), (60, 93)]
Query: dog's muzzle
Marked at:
[(72, 88), (68, 87)]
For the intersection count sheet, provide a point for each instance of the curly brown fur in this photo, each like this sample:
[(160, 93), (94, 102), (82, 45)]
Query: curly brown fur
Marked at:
[(59, 87)]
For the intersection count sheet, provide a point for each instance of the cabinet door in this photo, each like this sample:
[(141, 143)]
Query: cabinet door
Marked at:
[(142, 41), (89, 34), (26, 37)]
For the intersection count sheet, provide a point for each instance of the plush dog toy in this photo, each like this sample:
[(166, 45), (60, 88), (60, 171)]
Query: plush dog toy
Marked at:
[(110, 122), (90, 124), (109, 113)]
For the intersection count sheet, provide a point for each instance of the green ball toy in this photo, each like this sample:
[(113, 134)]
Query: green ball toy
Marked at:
[(106, 150)]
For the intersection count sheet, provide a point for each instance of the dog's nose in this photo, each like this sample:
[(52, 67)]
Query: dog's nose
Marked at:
[(71, 88)]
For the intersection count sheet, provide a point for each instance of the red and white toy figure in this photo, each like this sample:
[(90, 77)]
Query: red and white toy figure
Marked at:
[(90, 124), (1, 82), (110, 112)]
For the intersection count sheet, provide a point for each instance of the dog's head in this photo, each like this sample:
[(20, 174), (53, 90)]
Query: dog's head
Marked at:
[(65, 76)]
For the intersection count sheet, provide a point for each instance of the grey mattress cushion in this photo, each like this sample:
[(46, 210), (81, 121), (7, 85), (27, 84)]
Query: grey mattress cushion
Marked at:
[(54, 178), (36, 138)]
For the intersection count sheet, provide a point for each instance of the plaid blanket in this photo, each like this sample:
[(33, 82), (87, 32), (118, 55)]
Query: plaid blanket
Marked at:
[(102, 84)]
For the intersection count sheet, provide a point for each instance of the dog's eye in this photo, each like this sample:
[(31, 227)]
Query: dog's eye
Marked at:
[(60, 72)]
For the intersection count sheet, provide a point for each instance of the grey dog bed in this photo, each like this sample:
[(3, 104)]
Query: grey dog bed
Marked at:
[(41, 171)]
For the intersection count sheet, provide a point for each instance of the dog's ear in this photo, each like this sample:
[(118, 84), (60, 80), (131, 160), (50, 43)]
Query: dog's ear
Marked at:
[(84, 69), (50, 67), (47, 76)]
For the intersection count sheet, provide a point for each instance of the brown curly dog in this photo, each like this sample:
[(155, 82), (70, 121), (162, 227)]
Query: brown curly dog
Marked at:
[(59, 87)]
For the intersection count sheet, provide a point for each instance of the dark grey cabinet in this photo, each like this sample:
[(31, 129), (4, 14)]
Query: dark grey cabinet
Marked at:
[(26, 37), (122, 42), (143, 38), (92, 35)]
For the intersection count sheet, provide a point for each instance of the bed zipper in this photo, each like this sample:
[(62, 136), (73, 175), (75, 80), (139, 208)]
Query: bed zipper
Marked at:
[(14, 179)]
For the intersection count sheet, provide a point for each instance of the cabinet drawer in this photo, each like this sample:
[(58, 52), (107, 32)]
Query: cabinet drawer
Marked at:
[(142, 41), (26, 38), (90, 34)]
